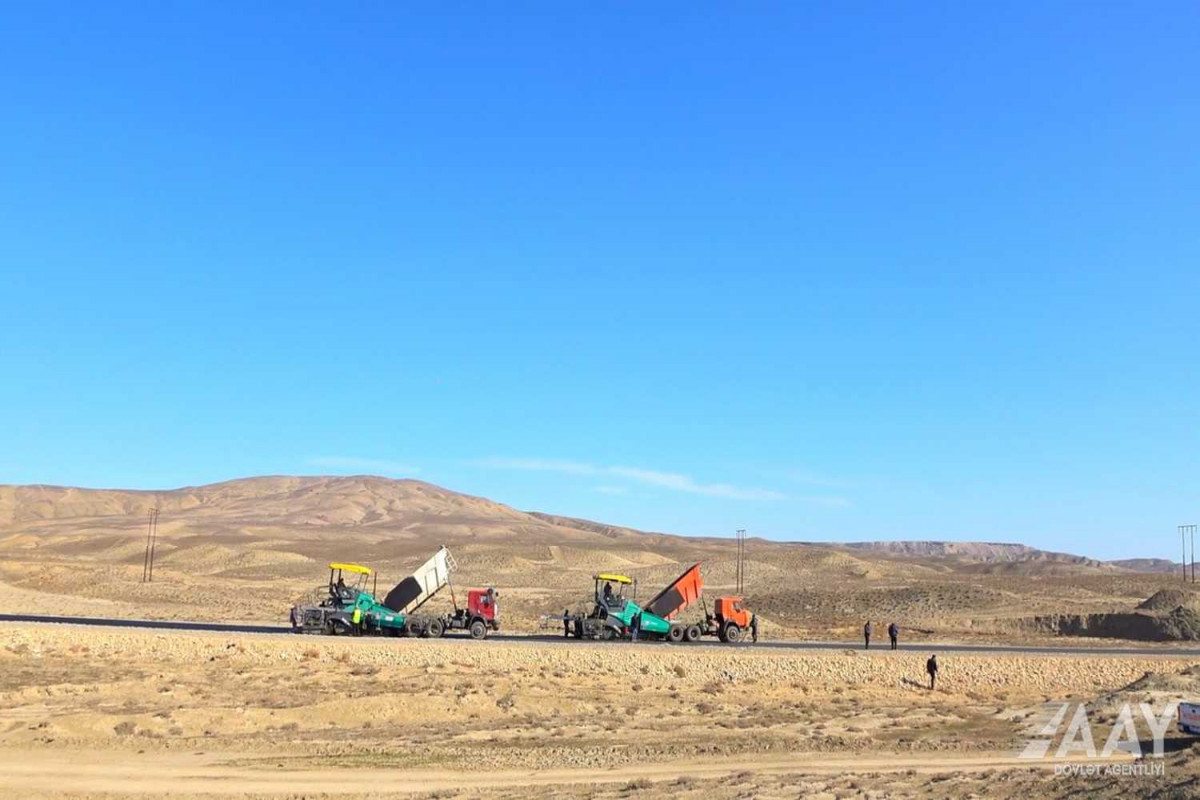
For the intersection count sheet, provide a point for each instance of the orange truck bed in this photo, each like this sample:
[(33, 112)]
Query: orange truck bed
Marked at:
[(679, 594)]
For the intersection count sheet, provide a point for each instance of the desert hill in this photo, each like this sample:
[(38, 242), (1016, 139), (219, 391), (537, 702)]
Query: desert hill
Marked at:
[(246, 549), (988, 552)]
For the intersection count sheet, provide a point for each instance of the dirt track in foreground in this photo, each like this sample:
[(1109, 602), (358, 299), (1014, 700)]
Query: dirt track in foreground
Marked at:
[(198, 774)]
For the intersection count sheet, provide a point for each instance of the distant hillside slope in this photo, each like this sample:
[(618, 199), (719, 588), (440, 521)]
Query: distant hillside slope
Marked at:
[(988, 552), (411, 508), (350, 503), (1147, 565)]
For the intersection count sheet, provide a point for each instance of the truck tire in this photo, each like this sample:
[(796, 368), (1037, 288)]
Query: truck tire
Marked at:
[(733, 634), (436, 629), (412, 629), (675, 634), (478, 630), (693, 633)]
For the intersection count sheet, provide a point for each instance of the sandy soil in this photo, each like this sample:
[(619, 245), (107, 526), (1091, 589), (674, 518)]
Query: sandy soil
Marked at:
[(87, 712)]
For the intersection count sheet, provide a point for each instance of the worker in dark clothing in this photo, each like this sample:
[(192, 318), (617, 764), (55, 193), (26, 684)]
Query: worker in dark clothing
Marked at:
[(931, 666), (607, 592), (635, 626), (566, 622), (867, 635), (893, 634), (754, 628)]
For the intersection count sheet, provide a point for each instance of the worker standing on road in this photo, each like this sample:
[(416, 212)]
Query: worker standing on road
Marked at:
[(754, 628), (566, 622), (867, 635), (931, 666), (893, 634), (635, 626)]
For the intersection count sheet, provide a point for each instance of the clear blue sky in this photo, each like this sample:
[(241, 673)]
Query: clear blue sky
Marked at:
[(851, 272)]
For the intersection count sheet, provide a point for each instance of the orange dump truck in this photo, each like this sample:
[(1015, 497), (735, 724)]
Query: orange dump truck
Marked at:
[(728, 620)]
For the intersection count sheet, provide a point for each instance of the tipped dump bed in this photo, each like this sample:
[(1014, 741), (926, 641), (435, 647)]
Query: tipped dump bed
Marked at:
[(679, 594), (426, 581)]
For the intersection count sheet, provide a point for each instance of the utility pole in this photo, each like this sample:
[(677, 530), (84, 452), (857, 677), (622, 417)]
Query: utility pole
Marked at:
[(1187, 532), (146, 555), (151, 542), (741, 560)]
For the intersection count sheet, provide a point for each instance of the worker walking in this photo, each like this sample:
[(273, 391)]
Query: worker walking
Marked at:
[(893, 634), (867, 636), (754, 628), (635, 626), (931, 666), (566, 622)]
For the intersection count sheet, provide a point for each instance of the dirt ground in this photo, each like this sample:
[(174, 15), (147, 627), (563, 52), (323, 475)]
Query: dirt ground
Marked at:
[(87, 712)]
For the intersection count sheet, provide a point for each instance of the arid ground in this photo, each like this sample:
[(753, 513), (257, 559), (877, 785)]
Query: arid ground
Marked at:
[(87, 712)]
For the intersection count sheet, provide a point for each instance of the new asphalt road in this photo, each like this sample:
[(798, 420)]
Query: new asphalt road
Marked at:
[(773, 644)]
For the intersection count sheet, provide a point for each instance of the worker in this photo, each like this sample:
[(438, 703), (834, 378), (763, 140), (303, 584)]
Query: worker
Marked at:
[(607, 592), (566, 622), (356, 621), (754, 628), (635, 626), (931, 666), (893, 634), (867, 635), (341, 587)]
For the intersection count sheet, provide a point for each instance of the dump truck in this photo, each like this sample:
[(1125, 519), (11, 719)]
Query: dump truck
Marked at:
[(347, 607), (614, 607), (727, 621)]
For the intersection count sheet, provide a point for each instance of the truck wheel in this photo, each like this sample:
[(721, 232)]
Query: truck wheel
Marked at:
[(411, 628), (478, 629), (675, 634), (733, 634), (693, 633), (436, 629)]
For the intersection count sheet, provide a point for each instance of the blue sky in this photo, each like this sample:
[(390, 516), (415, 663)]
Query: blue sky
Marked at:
[(855, 272)]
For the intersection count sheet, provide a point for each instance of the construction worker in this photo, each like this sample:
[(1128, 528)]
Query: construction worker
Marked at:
[(566, 622), (754, 628), (635, 626), (893, 634), (867, 635), (607, 592), (356, 621), (931, 666)]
